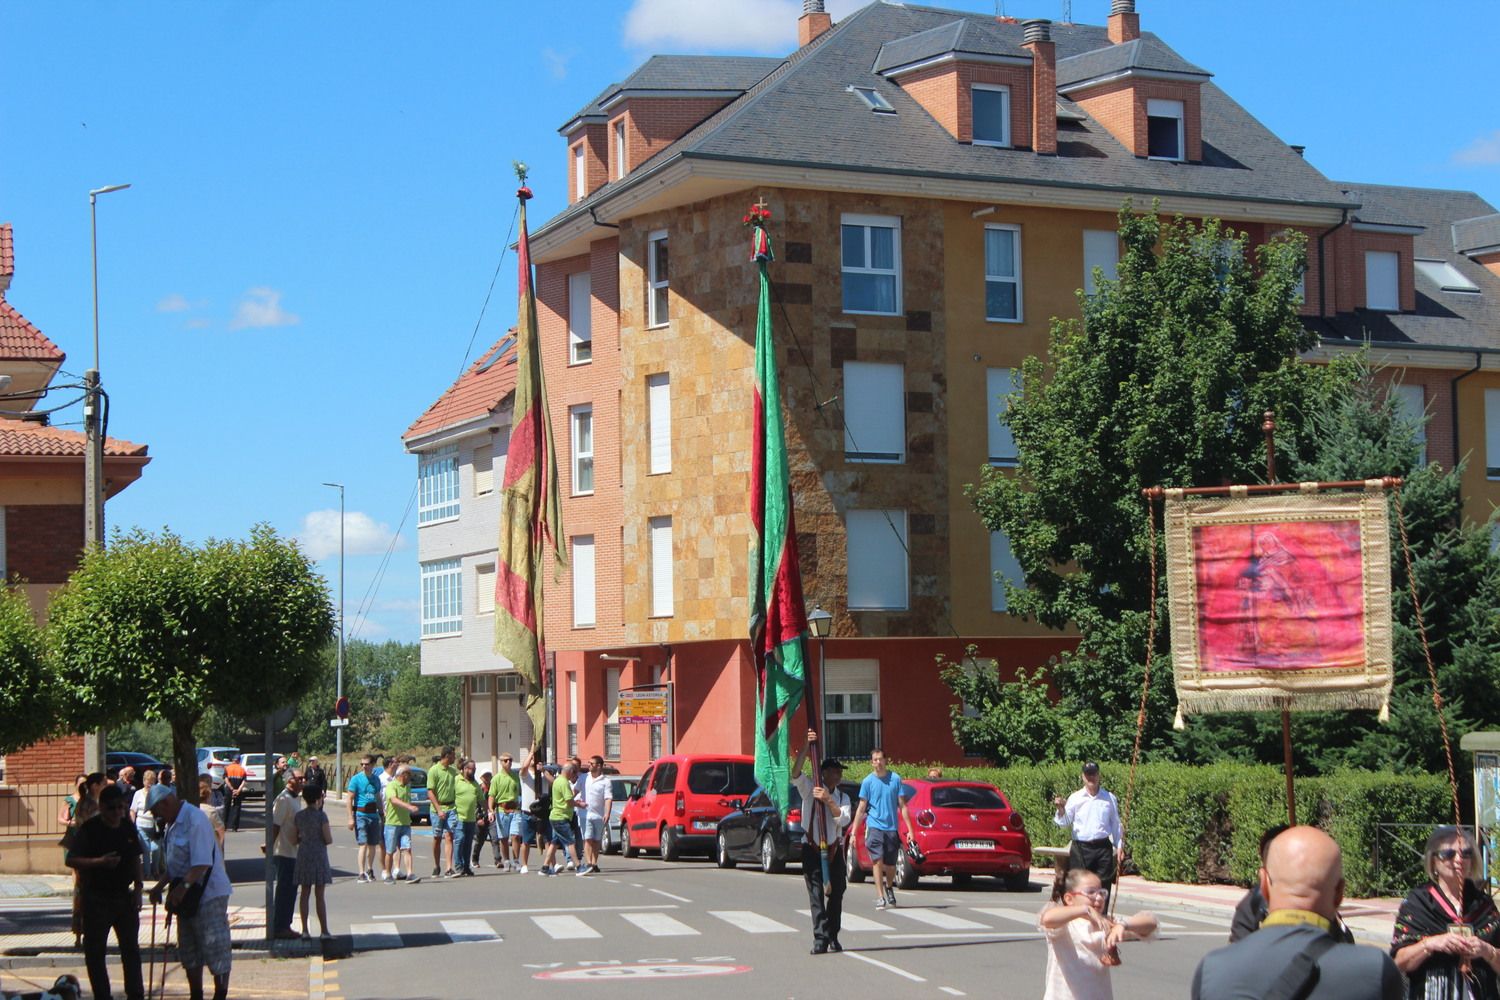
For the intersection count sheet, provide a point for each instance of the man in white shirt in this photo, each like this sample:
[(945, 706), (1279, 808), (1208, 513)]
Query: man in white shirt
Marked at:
[(826, 814), (283, 818), (1094, 816), (598, 799), (193, 858)]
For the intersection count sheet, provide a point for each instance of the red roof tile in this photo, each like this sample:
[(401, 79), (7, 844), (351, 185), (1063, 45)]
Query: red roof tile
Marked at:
[(21, 438), (20, 339), (7, 251), (477, 391)]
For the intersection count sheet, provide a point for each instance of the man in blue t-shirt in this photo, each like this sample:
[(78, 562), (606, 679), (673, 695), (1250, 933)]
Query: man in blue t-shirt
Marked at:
[(364, 818), (881, 794)]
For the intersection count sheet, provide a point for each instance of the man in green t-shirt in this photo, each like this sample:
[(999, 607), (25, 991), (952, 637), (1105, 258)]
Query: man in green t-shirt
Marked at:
[(466, 800), (398, 814), (564, 801), (441, 782), (505, 814)]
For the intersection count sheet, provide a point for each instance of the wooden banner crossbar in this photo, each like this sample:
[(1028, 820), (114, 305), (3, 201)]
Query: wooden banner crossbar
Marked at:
[(1383, 483)]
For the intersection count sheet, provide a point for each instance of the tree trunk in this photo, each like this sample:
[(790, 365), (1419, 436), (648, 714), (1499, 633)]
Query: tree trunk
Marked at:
[(185, 759)]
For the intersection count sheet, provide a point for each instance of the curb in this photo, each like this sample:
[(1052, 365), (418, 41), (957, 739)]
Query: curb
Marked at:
[(1361, 934), (68, 960)]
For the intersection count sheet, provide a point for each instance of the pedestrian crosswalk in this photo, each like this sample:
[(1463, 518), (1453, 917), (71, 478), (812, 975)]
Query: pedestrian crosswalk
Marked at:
[(676, 921)]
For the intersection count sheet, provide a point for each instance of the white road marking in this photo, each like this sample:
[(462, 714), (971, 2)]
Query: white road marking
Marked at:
[(370, 937), (752, 923), (564, 927), (854, 922), (521, 911), (663, 892), (1196, 918), (1010, 913), (956, 935), (660, 925), (888, 968), (952, 992), (937, 918), (470, 931)]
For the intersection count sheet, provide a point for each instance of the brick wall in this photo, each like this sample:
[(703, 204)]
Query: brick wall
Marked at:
[(1044, 96), (653, 124), (595, 157), (58, 760), (1120, 106), (1347, 247), (43, 542), (943, 91)]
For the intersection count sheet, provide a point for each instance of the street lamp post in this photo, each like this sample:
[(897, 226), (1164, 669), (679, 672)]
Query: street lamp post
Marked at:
[(338, 733), (93, 448), (820, 623)]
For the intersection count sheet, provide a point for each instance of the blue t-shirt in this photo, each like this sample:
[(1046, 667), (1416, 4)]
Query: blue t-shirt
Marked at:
[(883, 797), (366, 790)]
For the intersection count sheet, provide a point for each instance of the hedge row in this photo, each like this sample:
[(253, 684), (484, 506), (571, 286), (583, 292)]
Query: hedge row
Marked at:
[(1203, 824)]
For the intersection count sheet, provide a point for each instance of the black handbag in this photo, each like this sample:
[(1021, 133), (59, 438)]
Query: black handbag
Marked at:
[(187, 909)]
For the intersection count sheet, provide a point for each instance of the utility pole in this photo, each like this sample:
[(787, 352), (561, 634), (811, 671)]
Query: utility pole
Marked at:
[(338, 734), (93, 449)]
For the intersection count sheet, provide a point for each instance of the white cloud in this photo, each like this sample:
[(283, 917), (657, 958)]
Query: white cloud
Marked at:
[(260, 308), (556, 62), (693, 26), (411, 605), (363, 536), (1482, 152), (198, 324), (173, 303)]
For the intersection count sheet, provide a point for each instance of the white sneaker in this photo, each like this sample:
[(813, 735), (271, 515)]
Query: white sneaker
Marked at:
[(389, 879), (524, 870), (570, 866)]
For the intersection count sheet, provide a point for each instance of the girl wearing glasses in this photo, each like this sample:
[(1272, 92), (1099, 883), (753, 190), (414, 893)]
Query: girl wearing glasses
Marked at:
[(1447, 928), (1082, 941)]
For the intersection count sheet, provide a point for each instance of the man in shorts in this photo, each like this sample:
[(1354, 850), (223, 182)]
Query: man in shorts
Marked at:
[(536, 803), (881, 797), (564, 804), (442, 784), (505, 807), (193, 858), (598, 799), (364, 818), (398, 814)]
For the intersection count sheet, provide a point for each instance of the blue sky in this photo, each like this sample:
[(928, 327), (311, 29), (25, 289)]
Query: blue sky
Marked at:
[(321, 193)]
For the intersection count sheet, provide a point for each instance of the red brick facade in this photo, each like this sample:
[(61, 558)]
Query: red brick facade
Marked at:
[(43, 542), (1120, 106), (944, 92), (58, 760)]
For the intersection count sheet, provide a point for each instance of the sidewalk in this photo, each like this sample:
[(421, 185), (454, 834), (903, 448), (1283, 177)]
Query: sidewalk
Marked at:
[(1369, 919)]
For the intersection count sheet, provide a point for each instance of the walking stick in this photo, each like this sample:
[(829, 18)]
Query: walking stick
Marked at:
[(151, 977), (822, 827)]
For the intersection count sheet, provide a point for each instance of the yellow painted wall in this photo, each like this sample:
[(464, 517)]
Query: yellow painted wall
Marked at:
[(1481, 494)]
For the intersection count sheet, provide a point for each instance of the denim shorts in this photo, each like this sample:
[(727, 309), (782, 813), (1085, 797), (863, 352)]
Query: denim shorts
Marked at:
[(397, 838), (367, 828), (593, 828), (450, 825), (562, 833), (509, 824), (532, 827), (883, 845)]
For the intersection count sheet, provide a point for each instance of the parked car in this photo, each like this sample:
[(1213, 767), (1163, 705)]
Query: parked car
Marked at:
[(418, 780), (680, 800), (211, 761), (620, 790), (964, 828), (754, 832), (255, 772), (114, 760)]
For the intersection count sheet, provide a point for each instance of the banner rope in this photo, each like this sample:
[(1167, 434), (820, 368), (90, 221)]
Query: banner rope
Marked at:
[(1437, 696), (1140, 717)]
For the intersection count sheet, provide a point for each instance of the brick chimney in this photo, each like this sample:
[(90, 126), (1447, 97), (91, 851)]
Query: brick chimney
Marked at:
[(1037, 37), (813, 22), (1124, 22)]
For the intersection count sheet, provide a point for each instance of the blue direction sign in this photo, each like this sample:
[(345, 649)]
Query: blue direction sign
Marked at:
[(341, 708)]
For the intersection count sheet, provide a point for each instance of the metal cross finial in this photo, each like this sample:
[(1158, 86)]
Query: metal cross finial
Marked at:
[(762, 203)]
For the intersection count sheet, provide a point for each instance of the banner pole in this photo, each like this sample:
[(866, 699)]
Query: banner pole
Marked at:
[(1268, 426)]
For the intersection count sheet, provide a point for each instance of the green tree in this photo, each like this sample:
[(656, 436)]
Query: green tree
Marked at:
[(369, 671), (155, 628), (421, 711), (1008, 723), (1163, 382), (28, 685)]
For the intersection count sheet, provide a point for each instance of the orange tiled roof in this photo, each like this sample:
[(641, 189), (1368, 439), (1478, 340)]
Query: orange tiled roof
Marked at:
[(7, 251), (22, 438), (477, 391), (20, 339)]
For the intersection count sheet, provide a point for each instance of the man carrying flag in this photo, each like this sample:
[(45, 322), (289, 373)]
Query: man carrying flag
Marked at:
[(531, 517), (778, 619)]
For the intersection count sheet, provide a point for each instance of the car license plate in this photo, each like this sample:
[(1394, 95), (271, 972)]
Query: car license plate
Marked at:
[(704, 824), (974, 845)]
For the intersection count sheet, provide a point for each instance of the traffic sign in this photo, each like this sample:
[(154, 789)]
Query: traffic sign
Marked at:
[(338, 723), (341, 707)]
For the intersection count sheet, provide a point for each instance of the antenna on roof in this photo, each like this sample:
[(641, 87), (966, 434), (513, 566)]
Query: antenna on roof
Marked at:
[(1067, 11)]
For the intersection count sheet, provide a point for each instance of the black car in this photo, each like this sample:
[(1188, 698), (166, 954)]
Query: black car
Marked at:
[(754, 832), (142, 762)]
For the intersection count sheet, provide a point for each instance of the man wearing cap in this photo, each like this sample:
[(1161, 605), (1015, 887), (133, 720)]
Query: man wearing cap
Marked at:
[(193, 859), (826, 813), (1094, 816)]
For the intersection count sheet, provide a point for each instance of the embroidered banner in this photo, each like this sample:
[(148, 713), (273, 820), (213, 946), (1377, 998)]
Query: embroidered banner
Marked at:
[(1280, 601)]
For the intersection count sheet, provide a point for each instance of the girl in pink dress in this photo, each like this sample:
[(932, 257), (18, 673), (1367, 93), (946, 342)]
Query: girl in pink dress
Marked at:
[(1082, 942)]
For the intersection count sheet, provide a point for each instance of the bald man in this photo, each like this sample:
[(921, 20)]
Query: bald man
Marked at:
[(1296, 953)]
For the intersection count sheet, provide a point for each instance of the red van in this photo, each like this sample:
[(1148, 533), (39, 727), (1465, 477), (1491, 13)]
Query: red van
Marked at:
[(677, 806)]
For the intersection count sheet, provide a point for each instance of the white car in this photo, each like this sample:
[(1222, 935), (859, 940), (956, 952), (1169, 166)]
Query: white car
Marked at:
[(211, 761), (255, 772)]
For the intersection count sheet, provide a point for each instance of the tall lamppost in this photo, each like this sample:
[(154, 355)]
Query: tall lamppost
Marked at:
[(338, 733), (93, 448), (820, 623)]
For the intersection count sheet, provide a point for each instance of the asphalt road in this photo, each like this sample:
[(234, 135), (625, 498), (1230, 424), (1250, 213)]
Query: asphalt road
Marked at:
[(643, 928)]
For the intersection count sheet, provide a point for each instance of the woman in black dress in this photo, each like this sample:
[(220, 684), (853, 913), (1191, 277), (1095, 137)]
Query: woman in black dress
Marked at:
[(1447, 928)]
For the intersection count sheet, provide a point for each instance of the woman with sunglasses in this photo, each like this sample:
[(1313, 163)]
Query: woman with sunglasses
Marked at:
[(1447, 929)]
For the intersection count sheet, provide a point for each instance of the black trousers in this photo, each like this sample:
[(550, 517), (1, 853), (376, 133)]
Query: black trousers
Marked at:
[(233, 806), (827, 911), (1098, 856), (104, 913)]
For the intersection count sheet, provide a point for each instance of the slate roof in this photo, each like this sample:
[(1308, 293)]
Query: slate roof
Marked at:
[(1478, 233), (1381, 205), (1147, 53), (965, 36), (1441, 319), (801, 115), (687, 73), (26, 439), (476, 392)]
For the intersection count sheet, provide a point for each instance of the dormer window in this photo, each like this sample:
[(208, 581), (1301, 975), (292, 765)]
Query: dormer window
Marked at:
[(1445, 276), (1165, 137), (873, 100), (991, 107), (580, 174)]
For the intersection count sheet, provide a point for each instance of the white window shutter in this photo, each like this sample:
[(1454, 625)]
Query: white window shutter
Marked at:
[(1382, 280), (877, 564), (874, 412), (583, 581), (999, 384), (1101, 249), (661, 567), (659, 415), (1003, 566), (1492, 433)]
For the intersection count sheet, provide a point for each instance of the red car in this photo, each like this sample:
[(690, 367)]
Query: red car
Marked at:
[(679, 801), (964, 828)]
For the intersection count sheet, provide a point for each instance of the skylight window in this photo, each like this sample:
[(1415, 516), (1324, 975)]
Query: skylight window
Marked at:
[(1445, 276), (872, 98)]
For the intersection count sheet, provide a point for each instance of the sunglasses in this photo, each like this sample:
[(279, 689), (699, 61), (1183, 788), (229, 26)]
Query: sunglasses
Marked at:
[(1449, 853)]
